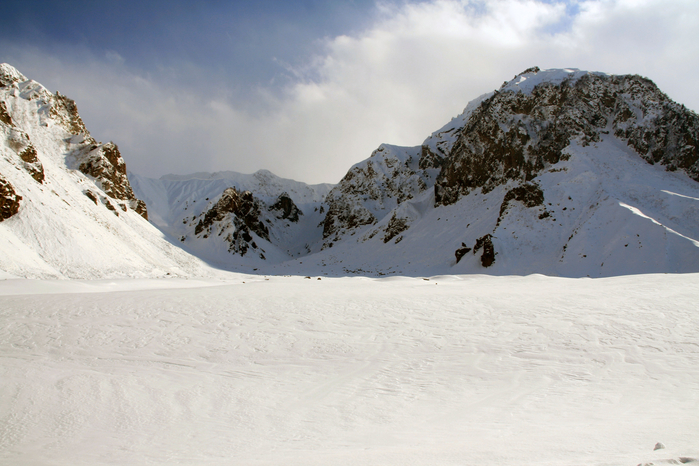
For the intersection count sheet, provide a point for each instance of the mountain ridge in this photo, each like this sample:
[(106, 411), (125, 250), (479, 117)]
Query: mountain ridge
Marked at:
[(534, 125), (561, 172)]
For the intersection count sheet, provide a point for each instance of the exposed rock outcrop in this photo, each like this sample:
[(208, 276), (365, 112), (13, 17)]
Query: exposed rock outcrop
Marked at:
[(4, 115), (65, 113), (19, 142), (371, 189), (32, 163), (396, 225), (461, 252), (104, 163), (528, 194), (235, 215), (488, 254), (9, 200), (285, 208)]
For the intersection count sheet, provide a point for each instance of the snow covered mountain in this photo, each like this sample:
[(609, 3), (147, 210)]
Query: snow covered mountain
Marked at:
[(562, 172), (67, 209), (233, 220)]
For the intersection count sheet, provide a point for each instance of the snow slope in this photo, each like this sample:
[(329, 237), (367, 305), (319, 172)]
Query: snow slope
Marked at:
[(610, 213), (68, 223), (475, 370)]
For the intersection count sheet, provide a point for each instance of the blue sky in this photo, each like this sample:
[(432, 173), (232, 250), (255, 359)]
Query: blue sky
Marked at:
[(243, 43), (308, 88)]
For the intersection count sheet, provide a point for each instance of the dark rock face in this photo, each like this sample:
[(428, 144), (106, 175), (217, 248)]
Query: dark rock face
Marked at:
[(286, 209), (429, 159), (4, 116), (488, 255), (9, 200), (90, 195), (105, 164), (528, 194), (395, 227), (514, 136), (461, 252), (372, 188), (345, 214)]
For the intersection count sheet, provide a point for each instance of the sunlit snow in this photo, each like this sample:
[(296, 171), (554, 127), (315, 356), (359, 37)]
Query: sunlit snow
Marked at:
[(449, 370)]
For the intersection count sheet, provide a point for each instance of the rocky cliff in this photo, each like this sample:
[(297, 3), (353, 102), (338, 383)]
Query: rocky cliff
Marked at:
[(102, 162)]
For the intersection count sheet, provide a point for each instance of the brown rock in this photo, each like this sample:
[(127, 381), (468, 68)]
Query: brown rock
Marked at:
[(9, 200)]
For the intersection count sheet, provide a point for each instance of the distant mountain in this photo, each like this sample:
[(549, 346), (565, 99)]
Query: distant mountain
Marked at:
[(67, 209), (232, 220), (559, 172)]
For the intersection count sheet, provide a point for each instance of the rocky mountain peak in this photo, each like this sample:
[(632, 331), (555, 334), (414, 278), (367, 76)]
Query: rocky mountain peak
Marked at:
[(526, 125)]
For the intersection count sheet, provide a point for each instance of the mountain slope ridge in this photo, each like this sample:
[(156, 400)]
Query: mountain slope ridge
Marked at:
[(72, 212)]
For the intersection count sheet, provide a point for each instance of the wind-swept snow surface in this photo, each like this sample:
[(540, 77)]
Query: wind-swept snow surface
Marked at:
[(452, 370)]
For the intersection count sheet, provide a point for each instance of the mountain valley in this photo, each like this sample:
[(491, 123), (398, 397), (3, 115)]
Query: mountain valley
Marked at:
[(560, 172)]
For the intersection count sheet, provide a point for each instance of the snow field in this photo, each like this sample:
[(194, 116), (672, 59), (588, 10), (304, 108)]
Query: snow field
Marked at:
[(258, 370)]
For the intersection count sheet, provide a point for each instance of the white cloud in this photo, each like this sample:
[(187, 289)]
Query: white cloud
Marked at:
[(396, 82)]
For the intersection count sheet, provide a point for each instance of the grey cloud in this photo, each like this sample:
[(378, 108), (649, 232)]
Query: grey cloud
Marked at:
[(395, 81)]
